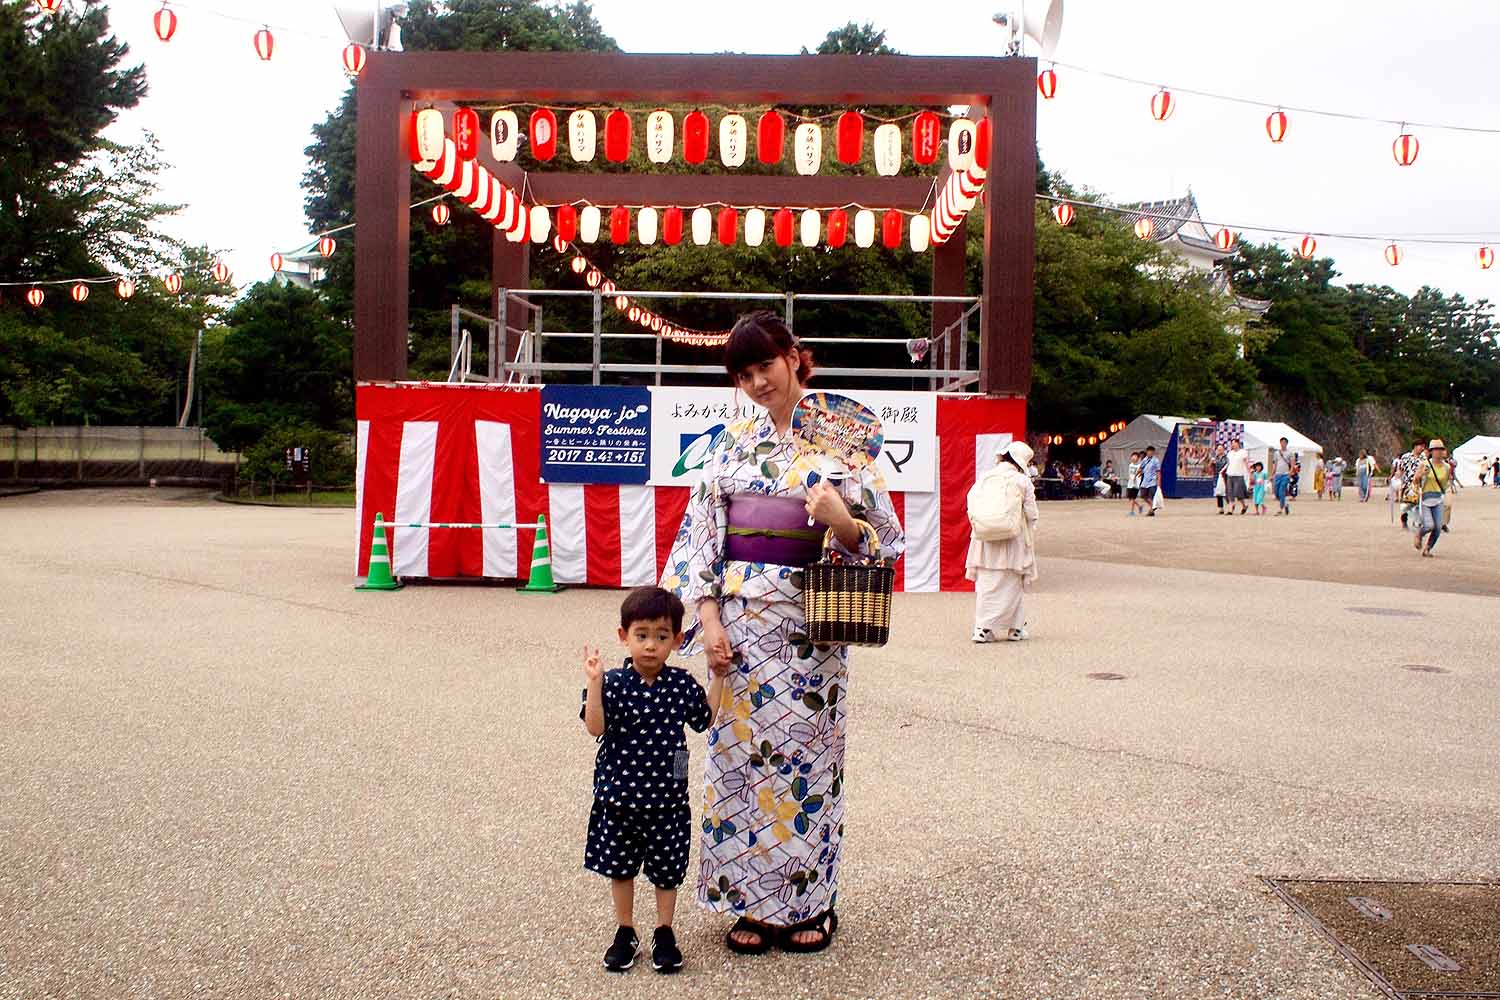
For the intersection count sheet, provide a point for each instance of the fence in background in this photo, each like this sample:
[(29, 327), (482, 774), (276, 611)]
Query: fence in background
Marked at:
[(113, 456)]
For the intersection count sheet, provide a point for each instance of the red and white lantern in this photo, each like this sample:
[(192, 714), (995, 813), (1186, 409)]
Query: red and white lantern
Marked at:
[(850, 137), (221, 272), (592, 278), (647, 225), (543, 134), (695, 137), (504, 135), (441, 213), (733, 140), (890, 228), (755, 227), (728, 226), (1485, 258), (1276, 125), (619, 225), (781, 227), (326, 246), (1307, 247), (887, 143), (838, 228), (810, 227), (277, 263), (671, 226), (589, 221), (172, 283), (430, 135), (354, 60), (80, 292), (702, 226), (617, 136), (1394, 255), (926, 137), (1063, 213), (48, 6), (807, 148), (583, 136), (578, 265), (1046, 84), (466, 133), (1405, 149), (265, 43), (1224, 240), (1145, 228), (125, 288), (567, 223), (1163, 104), (165, 23), (35, 297), (559, 245), (659, 136), (770, 137), (961, 136)]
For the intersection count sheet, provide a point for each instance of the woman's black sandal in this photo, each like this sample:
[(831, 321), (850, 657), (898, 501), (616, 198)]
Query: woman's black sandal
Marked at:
[(785, 935), (745, 925)]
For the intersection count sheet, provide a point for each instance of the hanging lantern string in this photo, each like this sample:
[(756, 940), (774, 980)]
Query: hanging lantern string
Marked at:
[(254, 22), (848, 206), (725, 108), (1403, 123), (1464, 239), (692, 335)]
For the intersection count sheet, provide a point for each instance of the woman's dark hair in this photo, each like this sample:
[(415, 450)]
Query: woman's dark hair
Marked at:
[(1006, 457), (762, 336)]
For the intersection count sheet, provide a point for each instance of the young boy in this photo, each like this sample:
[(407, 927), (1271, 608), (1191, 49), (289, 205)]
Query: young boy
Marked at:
[(641, 814), (1133, 481)]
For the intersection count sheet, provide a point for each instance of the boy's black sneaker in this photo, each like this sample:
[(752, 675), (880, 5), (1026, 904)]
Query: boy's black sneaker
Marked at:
[(665, 955), (621, 954)]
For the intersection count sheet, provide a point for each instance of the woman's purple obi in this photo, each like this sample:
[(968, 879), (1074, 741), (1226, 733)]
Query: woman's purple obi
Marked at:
[(766, 529)]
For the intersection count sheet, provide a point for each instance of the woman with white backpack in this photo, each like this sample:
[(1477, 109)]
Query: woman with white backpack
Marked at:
[(1002, 545)]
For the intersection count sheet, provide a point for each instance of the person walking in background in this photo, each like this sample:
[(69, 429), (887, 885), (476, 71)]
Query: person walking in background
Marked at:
[(1364, 471), (1150, 480), (1258, 477), (1333, 478), (1406, 468), (1002, 568), (1484, 471), (1237, 475), (1434, 477), (1318, 475), (1495, 474), (1133, 482), (1294, 482), (1220, 464), (1281, 479)]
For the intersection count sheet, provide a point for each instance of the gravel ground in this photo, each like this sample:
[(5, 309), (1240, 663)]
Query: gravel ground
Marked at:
[(228, 774)]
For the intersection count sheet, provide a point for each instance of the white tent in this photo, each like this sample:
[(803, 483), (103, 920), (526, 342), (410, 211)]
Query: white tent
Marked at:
[(1148, 428), (1471, 454), (1264, 436)]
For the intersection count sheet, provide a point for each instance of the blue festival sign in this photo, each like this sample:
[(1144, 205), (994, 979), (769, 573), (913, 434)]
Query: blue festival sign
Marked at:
[(596, 434)]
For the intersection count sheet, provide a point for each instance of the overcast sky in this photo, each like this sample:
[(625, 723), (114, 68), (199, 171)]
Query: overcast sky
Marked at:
[(235, 128)]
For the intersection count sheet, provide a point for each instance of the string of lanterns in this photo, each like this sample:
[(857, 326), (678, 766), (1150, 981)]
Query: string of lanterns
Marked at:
[(1086, 439), (633, 311)]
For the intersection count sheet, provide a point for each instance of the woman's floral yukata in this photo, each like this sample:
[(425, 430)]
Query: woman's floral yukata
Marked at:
[(773, 801)]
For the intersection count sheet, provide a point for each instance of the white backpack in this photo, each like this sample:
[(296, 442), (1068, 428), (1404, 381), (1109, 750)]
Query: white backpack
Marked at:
[(995, 512)]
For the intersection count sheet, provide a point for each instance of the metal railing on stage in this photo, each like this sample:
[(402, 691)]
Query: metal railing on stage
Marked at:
[(948, 365)]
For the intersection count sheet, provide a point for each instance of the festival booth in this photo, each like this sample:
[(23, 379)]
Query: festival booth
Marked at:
[(1478, 451), (1146, 429), (1188, 468), (610, 468)]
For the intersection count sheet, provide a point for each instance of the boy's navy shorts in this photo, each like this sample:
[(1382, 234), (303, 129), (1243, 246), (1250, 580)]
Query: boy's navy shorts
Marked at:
[(623, 840)]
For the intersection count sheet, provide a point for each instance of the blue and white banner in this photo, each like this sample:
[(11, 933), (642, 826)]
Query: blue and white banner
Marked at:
[(596, 434)]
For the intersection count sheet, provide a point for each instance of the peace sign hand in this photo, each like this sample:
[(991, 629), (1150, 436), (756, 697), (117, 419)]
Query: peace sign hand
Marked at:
[(593, 666)]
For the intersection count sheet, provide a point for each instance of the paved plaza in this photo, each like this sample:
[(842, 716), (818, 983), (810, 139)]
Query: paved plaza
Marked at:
[(226, 773)]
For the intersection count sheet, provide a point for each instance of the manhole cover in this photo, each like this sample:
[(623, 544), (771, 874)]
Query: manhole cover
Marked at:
[(1411, 939), (1389, 612), (1104, 676), (1423, 668)]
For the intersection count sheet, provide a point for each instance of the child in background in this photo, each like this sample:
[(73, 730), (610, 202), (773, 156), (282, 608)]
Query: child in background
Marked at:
[(1258, 486), (641, 816)]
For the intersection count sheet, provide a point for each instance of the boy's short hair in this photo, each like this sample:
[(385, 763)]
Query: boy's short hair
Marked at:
[(644, 604)]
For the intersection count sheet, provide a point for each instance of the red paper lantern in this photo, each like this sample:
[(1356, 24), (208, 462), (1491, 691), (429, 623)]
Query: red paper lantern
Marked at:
[(781, 227), (982, 144), (1276, 125), (770, 138), (1394, 255), (80, 292), (1163, 104), (617, 136), (850, 137), (695, 137), (838, 228), (354, 60), (926, 137), (49, 6), (165, 23), (1144, 228), (1307, 247), (1063, 213), (466, 133), (277, 262), (619, 224), (656, 323), (567, 223), (441, 213), (327, 245), (1405, 149), (125, 288), (35, 297), (729, 226), (634, 314), (671, 226), (559, 245), (1485, 258), (543, 134), (593, 277), (172, 283), (1224, 239), (221, 272), (1046, 84), (265, 43), (890, 228)]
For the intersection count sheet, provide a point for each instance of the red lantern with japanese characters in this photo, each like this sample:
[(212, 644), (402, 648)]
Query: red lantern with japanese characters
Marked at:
[(466, 133), (543, 134), (926, 137)]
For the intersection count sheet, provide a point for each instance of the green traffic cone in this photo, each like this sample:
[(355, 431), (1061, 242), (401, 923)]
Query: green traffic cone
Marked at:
[(379, 576), (541, 563)]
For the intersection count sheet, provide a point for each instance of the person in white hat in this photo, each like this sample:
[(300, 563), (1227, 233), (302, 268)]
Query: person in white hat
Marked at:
[(1002, 545), (1434, 480)]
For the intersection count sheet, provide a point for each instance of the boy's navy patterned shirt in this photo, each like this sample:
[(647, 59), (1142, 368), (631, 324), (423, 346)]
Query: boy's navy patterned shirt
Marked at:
[(643, 736)]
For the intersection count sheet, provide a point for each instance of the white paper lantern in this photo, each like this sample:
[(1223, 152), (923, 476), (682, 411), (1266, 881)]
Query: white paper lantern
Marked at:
[(733, 140), (450, 164), (516, 234), (430, 134), (864, 227), (703, 226), (504, 130), (468, 181), (887, 145), (541, 223), (807, 148), (961, 143), (645, 224), (583, 135), (810, 226), (659, 137), (755, 227), (921, 233), (588, 224)]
